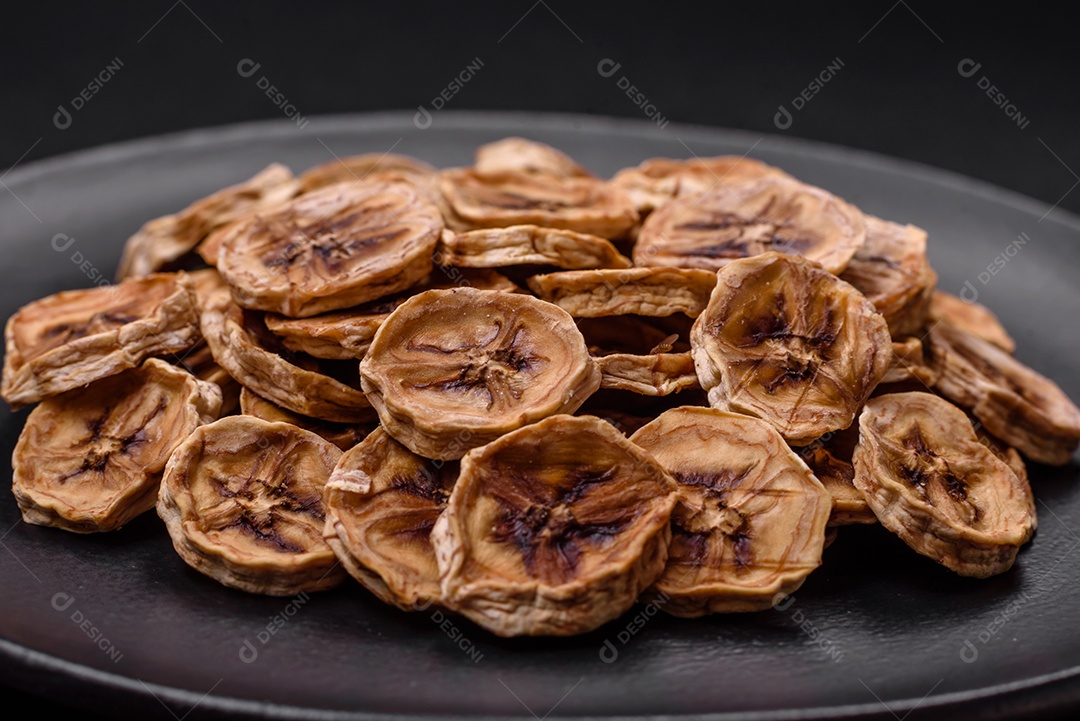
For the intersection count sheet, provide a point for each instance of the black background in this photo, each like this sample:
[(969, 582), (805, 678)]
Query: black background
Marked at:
[(898, 91)]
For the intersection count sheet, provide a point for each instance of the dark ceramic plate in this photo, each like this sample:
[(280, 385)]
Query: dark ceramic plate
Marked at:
[(878, 631)]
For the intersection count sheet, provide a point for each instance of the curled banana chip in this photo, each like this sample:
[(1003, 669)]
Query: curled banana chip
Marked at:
[(930, 481), (658, 180), (750, 520), (75, 337), (528, 156), (381, 503), (528, 245), (909, 364), (91, 459), (972, 317), (658, 374), (166, 240), (242, 501), (450, 370), (775, 213), (333, 248), (553, 529), (497, 200), (830, 460), (789, 343), (342, 435), (633, 291), (369, 169)]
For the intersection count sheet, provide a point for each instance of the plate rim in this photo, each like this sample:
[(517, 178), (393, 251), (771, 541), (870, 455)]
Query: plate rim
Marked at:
[(1061, 687)]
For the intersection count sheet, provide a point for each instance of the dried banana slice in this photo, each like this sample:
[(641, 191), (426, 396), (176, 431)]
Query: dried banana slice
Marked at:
[(972, 317), (333, 248), (1016, 404), (658, 180), (75, 337), (164, 241), (909, 364), (931, 482), (91, 459), (253, 355), (381, 502), (242, 501), (737, 221), (553, 529), (342, 435), (659, 374), (450, 370), (199, 362), (633, 291), (789, 343), (830, 460), (347, 334), (527, 245), (750, 521), (369, 169), (527, 156), (497, 200), (893, 271)]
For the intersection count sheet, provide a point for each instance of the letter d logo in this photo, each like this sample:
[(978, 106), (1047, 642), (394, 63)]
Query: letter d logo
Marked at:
[(782, 119), (422, 119), (62, 118)]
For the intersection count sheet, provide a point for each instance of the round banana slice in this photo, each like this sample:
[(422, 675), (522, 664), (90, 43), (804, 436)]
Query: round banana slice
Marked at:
[(369, 169), (931, 482), (527, 156), (251, 354), (892, 270), (553, 529), (789, 343), (658, 180), (775, 213), (347, 334), (342, 435), (497, 200), (333, 248), (450, 370), (658, 374), (166, 240), (242, 501), (633, 291), (91, 459), (75, 337), (830, 460), (750, 521), (1016, 404), (381, 503), (975, 318), (527, 245)]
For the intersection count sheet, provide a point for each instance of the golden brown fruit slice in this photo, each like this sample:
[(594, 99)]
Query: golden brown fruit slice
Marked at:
[(91, 459), (633, 291), (527, 245), (342, 435), (242, 501), (909, 363), (251, 354), (450, 370), (368, 169), (199, 362), (750, 521), (975, 318), (553, 529), (658, 180), (892, 270), (789, 343), (336, 247), (527, 156), (381, 503), (75, 337), (163, 241), (1021, 407), (931, 482), (738, 221), (347, 334), (497, 200), (830, 460), (658, 374)]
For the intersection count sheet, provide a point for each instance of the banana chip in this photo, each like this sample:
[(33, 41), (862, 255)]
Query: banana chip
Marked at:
[(634, 291), (528, 245)]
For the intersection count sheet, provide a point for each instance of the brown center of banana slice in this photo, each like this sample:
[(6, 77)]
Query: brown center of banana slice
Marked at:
[(453, 369), (750, 522), (381, 503), (242, 500), (930, 481), (746, 219), (553, 529), (336, 247), (787, 342)]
